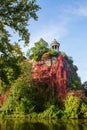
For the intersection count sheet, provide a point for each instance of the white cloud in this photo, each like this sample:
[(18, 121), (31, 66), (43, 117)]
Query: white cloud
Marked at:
[(51, 31), (78, 8), (81, 11), (59, 29)]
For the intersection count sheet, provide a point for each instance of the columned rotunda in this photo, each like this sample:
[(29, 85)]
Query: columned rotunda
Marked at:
[(55, 45)]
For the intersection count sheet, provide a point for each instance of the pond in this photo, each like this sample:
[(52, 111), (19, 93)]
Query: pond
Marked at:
[(21, 124)]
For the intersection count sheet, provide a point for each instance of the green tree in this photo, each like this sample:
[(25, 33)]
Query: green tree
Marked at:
[(20, 98), (14, 14), (38, 50), (84, 85), (9, 64)]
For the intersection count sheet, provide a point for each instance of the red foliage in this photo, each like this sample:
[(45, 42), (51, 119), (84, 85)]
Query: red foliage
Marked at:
[(41, 72), (55, 75), (3, 98)]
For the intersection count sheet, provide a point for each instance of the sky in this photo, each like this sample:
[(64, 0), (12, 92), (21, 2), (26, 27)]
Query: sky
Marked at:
[(65, 21)]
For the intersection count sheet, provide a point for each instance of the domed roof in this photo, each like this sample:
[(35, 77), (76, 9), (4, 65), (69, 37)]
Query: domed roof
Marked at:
[(54, 42)]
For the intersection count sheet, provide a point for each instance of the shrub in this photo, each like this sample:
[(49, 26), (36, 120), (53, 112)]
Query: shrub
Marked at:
[(51, 112), (20, 97), (83, 110), (72, 105)]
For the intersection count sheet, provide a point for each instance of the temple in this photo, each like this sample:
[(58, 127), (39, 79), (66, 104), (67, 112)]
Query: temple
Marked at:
[(55, 45)]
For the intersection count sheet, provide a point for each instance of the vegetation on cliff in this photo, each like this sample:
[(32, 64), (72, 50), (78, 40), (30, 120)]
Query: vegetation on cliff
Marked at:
[(49, 88), (44, 86)]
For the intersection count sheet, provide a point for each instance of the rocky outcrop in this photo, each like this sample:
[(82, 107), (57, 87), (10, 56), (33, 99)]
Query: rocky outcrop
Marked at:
[(59, 75)]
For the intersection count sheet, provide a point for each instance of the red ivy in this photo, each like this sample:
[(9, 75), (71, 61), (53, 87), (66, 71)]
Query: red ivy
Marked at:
[(55, 75)]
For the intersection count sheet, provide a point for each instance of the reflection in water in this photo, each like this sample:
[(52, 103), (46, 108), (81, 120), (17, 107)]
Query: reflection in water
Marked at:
[(43, 125)]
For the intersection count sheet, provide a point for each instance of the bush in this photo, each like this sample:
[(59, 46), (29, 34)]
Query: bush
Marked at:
[(51, 112), (72, 106), (20, 97), (83, 110)]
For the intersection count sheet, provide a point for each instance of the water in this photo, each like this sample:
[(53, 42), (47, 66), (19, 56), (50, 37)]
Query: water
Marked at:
[(43, 125)]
